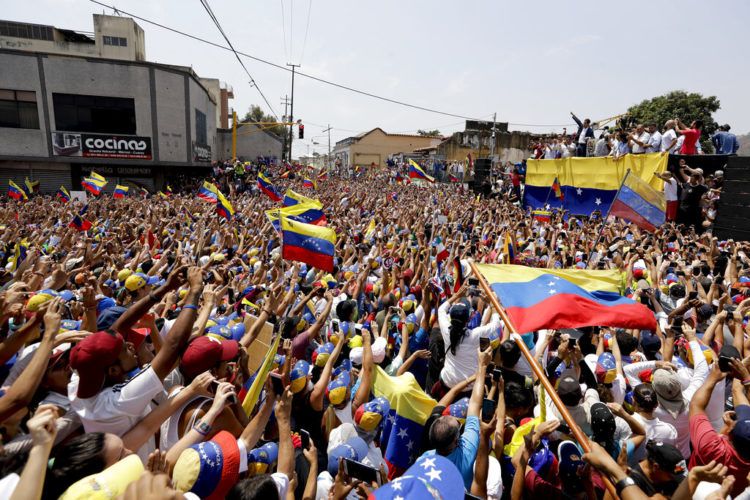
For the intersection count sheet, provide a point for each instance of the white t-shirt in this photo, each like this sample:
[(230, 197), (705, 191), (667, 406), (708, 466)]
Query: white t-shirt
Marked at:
[(644, 138), (670, 189), (654, 143), (118, 408), (463, 364), (666, 139), (656, 430)]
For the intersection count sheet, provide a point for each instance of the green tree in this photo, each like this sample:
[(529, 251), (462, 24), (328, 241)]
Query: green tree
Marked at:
[(256, 115), (429, 133), (678, 104)]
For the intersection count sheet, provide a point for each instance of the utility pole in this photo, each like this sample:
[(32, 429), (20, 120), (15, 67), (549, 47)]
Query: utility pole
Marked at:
[(492, 152), (285, 102), (291, 111), (328, 163), (234, 135)]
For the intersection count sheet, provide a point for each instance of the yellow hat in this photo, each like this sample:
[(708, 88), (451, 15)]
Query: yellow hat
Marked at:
[(123, 275), (253, 252), (110, 483), (134, 282), (355, 341), (37, 300), (217, 257)]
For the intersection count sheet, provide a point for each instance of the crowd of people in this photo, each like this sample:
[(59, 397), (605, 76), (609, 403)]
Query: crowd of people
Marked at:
[(126, 347)]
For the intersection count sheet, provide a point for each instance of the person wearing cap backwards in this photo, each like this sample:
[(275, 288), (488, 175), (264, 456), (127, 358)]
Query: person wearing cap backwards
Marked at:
[(460, 342), (731, 446), (101, 390)]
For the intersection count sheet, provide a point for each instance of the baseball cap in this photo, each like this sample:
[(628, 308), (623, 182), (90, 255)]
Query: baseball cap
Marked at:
[(206, 352), (109, 483), (354, 448), (322, 353), (336, 390), (460, 311), (569, 391), (602, 422), (570, 462), (369, 415), (650, 343), (139, 280), (606, 368), (39, 298), (91, 357), (668, 457), (208, 469), (108, 316), (298, 375), (666, 384), (260, 458), (458, 409), (741, 433), (431, 476)]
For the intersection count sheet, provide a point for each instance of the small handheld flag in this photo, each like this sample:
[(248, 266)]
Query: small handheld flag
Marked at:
[(323, 175), (63, 194), (417, 172), (80, 223), (208, 192), (31, 186), (94, 183), (542, 215), (120, 191), (265, 185), (557, 189), (509, 249), (313, 245), (223, 207), (292, 198), (16, 192), (310, 183), (639, 203)]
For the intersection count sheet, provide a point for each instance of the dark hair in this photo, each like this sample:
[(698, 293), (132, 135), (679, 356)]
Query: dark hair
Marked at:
[(289, 327), (457, 333), (80, 457), (627, 342), (517, 396), (605, 393), (645, 397), (698, 123), (510, 353), (443, 433), (255, 487)]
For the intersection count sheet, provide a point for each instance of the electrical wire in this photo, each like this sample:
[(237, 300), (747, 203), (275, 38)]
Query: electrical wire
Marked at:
[(291, 28), (213, 17), (307, 28), (283, 29)]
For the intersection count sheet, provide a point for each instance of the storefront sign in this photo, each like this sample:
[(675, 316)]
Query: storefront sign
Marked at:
[(129, 147), (201, 152)]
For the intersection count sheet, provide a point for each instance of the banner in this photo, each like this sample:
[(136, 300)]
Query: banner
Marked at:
[(129, 147), (588, 184)]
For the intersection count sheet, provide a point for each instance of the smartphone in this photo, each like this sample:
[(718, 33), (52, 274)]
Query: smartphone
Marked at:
[(213, 386), (305, 437), (677, 325), (335, 326), (693, 295), (571, 343), (277, 383), (473, 282), (357, 330), (497, 374), (484, 343), (360, 471), (488, 409), (724, 363)]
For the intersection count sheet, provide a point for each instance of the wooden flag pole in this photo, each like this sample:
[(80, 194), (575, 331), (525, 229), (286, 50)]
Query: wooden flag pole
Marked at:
[(539, 372)]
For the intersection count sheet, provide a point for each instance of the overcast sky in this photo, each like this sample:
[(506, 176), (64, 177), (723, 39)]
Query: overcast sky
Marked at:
[(531, 62)]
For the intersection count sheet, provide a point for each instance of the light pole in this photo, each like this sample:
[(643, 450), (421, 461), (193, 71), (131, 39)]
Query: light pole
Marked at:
[(291, 111)]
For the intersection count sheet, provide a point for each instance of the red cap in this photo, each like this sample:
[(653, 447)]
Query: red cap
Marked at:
[(91, 358), (205, 353), (408, 274)]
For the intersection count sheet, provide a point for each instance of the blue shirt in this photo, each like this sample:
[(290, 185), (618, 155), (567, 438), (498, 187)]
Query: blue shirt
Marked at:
[(465, 454), (725, 143)]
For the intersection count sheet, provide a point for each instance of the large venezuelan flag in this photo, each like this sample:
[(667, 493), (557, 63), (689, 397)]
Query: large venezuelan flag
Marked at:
[(571, 298), (587, 184), (292, 198), (417, 172), (640, 204), (301, 212), (265, 185), (313, 245), (402, 429)]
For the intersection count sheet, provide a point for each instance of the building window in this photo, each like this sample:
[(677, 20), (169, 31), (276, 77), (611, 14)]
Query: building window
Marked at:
[(99, 114), (23, 30), (18, 109), (201, 135), (117, 41)]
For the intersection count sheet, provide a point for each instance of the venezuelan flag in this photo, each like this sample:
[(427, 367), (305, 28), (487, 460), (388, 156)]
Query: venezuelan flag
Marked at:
[(323, 176), (20, 251), (292, 198), (588, 184), (399, 178), (403, 426), (120, 191), (313, 245), (542, 215), (370, 231), (253, 392), (554, 299), (640, 204), (80, 223), (16, 192), (309, 183), (63, 194), (302, 212), (169, 190), (268, 188), (94, 183), (285, 174), (557, 189), (416, 172), (31, 186), (509, 249), (223, 207), (208, 192)]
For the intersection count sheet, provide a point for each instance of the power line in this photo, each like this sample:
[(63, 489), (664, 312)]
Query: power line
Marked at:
[(226, 38), (307, 28), (283, 28), (278, 66)]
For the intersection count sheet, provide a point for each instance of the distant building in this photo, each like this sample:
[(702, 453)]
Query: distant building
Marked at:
[(71, 102), (252, 143), (374, 147)]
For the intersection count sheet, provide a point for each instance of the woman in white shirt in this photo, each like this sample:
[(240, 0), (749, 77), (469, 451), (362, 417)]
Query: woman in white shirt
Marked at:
[(461, 343)]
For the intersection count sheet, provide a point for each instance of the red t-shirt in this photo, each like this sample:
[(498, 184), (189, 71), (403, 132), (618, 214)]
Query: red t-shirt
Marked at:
[(691, 137), (710, 445)]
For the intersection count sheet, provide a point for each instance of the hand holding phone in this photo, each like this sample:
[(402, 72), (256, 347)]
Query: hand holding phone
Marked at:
[(360, 471), (488, 409)]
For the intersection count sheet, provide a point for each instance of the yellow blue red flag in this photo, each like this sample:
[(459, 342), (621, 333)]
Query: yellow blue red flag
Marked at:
[(313, 245)]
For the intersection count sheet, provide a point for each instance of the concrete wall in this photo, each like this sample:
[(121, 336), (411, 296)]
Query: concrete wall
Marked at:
[(377, 146), (170, 111), (21, 72), (200, 99), (123, 27), (251, 143)]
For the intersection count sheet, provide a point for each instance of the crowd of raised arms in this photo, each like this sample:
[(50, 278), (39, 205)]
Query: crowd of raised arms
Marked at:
[(126, 348)]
